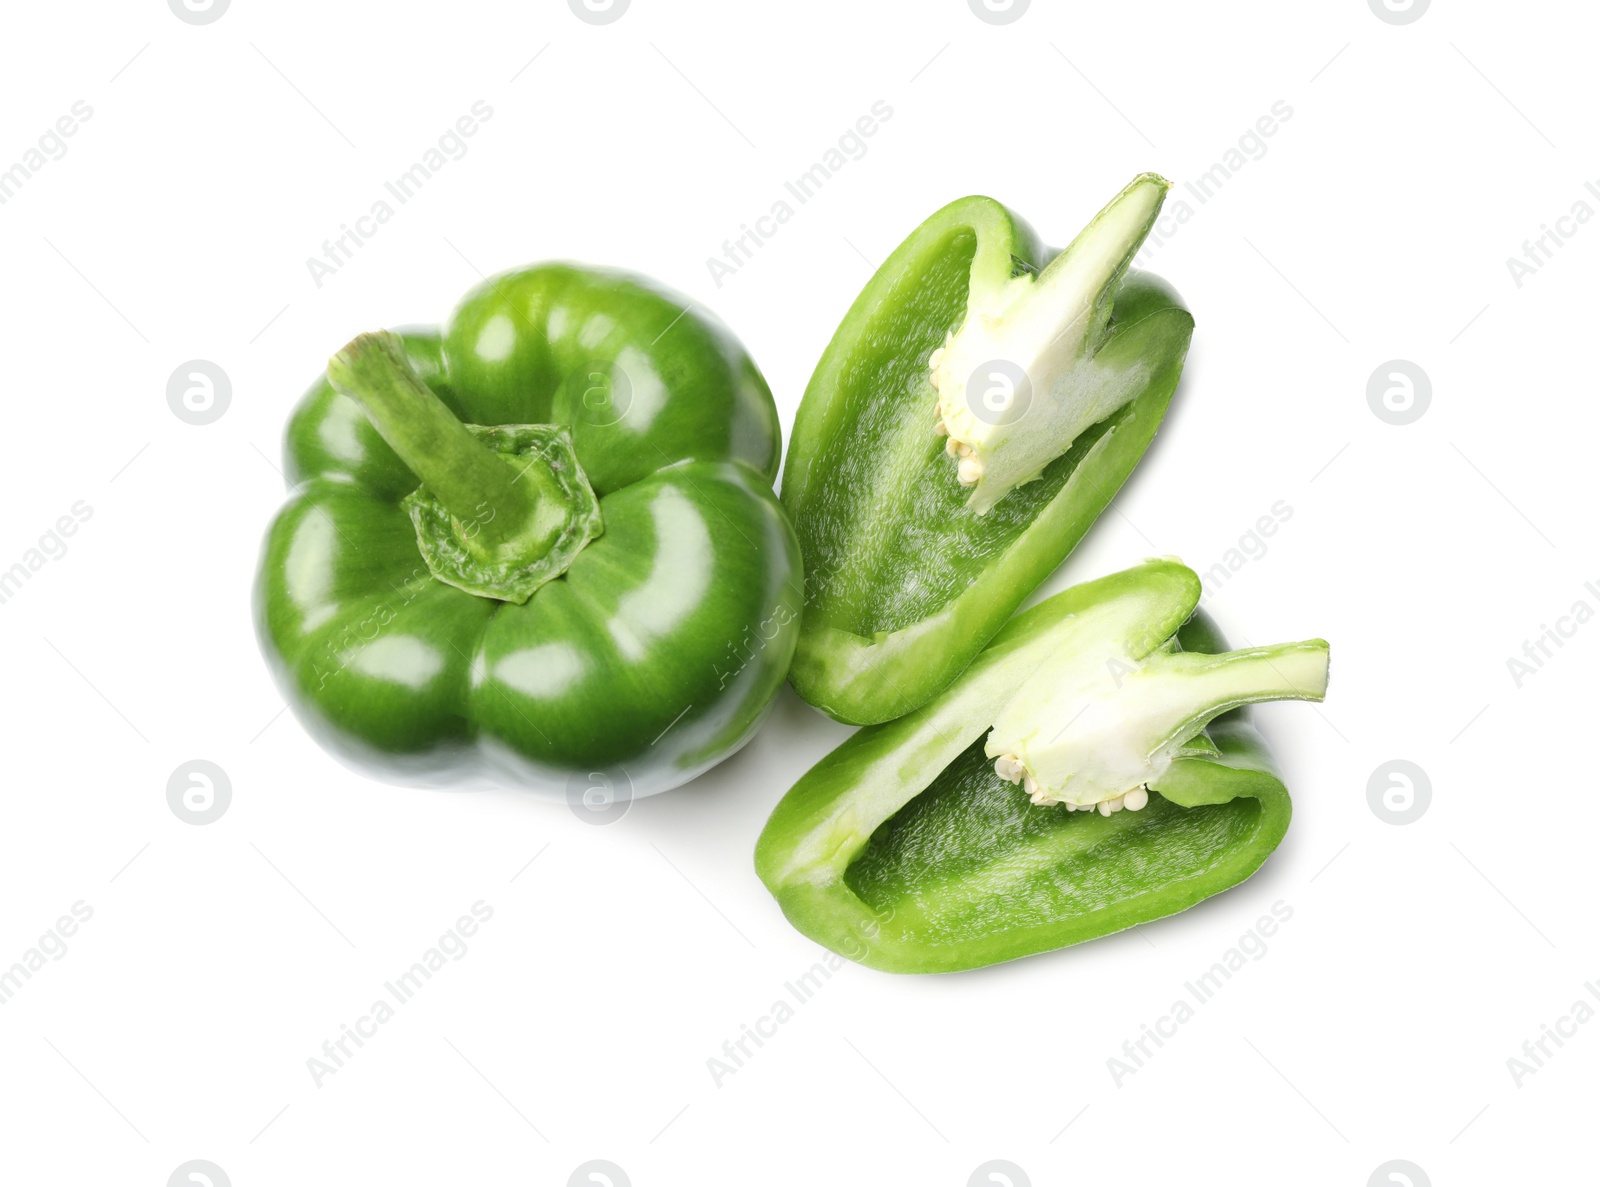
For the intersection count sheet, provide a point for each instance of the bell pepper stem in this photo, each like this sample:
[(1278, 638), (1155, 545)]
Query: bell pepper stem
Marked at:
[(1095, 730), (480, 488), (503, 508), (1017, 382)]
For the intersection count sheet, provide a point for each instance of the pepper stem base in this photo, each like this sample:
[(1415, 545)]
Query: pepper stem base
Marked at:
[(566, 516), (502, 509)]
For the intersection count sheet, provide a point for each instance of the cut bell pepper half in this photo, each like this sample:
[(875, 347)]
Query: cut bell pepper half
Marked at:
[(976, 410), (1093, 769)]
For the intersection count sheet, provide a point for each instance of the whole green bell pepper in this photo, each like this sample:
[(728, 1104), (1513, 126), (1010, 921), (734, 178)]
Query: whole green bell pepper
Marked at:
[(1144, 789), (976, 410), (539, 544)]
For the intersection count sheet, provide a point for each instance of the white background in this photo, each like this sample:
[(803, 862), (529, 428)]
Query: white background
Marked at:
[(1376, 226)]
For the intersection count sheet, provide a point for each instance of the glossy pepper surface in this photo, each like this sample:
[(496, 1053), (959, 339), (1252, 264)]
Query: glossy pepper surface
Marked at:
[(537, 545), (1140, 787), (976, 410)]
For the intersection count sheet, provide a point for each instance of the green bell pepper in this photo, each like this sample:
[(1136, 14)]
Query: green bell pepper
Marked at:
[(539, 544), (978, 407), (1144, 789)]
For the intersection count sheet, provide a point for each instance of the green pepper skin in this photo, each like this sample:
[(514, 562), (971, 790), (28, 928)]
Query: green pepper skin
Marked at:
[(655, 655), (903, 850), (905, 585)]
